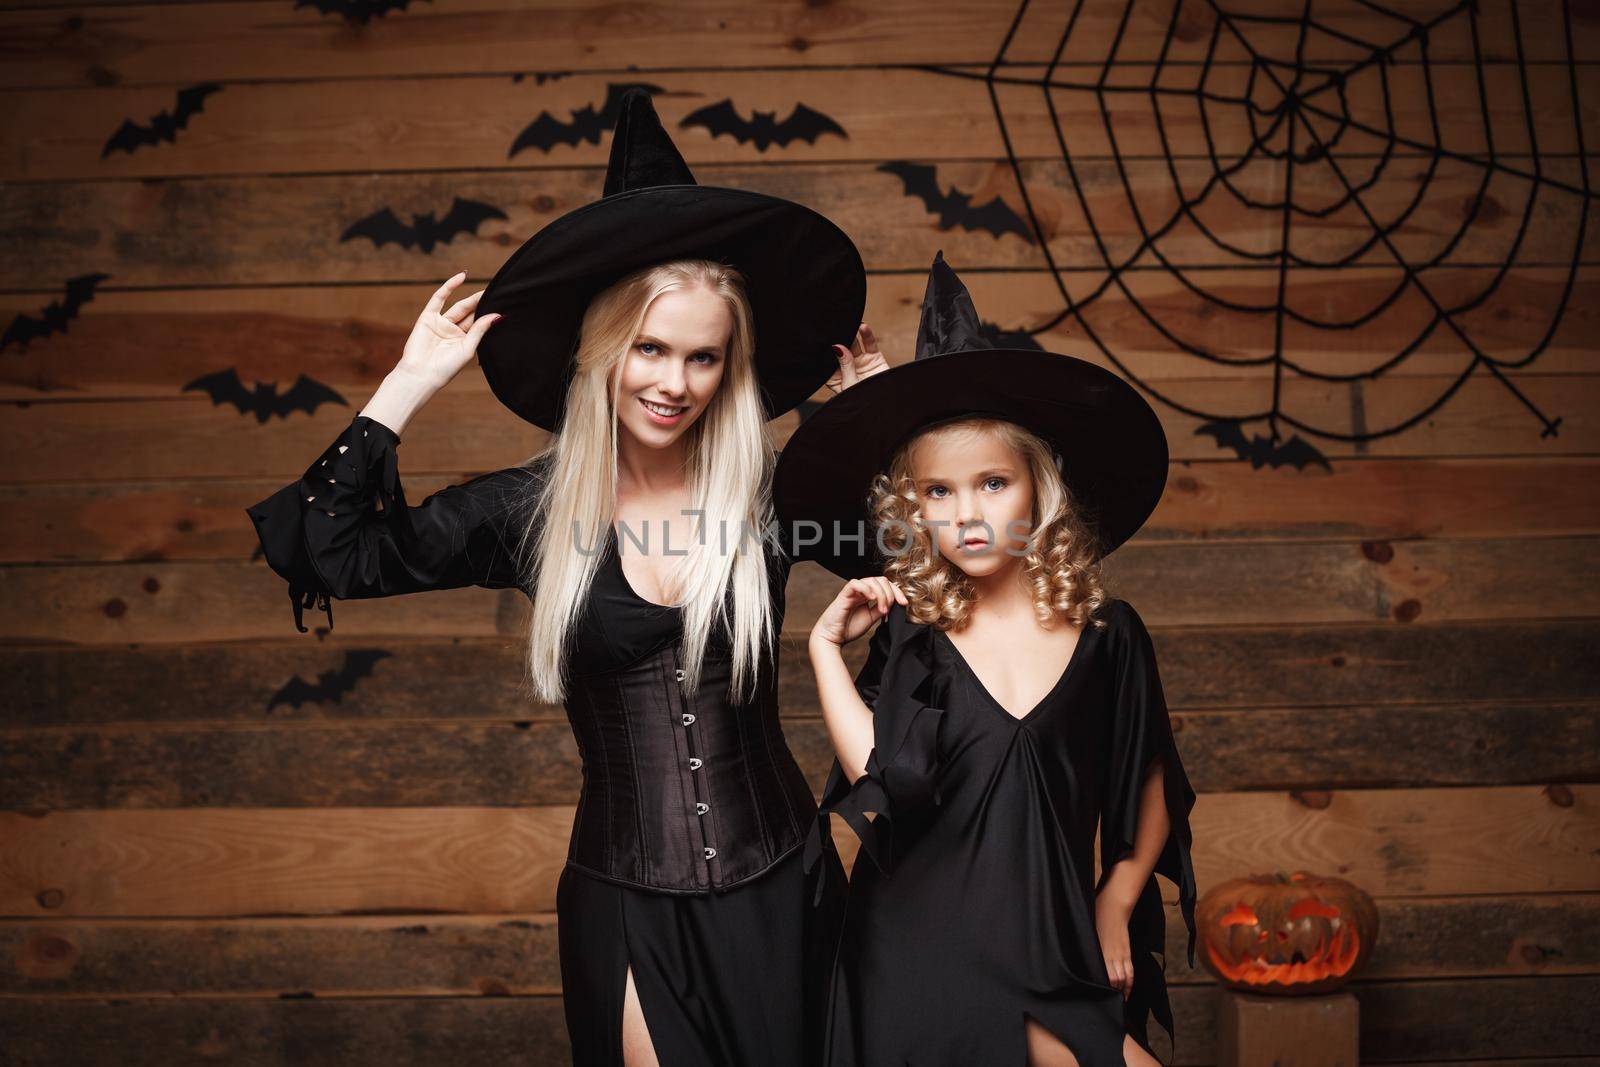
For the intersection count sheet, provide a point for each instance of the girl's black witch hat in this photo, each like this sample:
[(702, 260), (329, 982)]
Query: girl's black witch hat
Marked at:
[(807, 285), (1109, 441)]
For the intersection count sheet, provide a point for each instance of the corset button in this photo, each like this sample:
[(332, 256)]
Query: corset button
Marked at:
[(678, 674), (688, 718), (694, 763), (701, 808), (710, 852)]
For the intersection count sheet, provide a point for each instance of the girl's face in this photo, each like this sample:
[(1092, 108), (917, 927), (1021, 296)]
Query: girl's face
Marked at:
[(675, 364), (977, 499)]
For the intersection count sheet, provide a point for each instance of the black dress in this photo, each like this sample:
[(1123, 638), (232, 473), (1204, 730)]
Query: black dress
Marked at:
[(972, 904), (730, 943)]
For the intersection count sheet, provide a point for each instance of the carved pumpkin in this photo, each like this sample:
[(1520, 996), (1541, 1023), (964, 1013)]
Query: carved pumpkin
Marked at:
[(1286, 933)]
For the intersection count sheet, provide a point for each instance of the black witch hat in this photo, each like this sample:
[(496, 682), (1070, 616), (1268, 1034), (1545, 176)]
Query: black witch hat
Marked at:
[(807, 286), (1109, 443)]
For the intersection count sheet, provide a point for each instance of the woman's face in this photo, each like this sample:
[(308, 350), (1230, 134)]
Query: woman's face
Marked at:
[(977, 499), (674, 365)]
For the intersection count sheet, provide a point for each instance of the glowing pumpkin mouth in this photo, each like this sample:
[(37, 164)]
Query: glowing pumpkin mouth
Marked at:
[(1331, 956)]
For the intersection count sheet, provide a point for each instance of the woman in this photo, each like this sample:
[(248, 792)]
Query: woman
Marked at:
[(686, 929), (1008, 707)]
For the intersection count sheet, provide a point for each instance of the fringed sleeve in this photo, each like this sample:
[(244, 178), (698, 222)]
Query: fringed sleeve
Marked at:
[(902, 770), (1140, 734), (344, 530)]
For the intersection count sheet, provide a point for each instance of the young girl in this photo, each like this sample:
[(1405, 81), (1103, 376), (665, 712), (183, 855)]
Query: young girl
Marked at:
[(627, 328), (1008, 705)]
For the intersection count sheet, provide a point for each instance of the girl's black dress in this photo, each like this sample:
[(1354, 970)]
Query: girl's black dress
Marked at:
[(972, 904), (686, 859)]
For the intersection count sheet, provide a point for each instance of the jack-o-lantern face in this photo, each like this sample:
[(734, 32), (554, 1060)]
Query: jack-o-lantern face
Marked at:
[(1286, 933)]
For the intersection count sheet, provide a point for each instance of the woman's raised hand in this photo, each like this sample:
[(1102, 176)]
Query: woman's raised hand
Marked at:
[(853, 365), (862, 602), (444, 341)]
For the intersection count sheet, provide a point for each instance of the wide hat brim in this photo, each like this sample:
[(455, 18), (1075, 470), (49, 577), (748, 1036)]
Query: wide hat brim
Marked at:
[(1113, 448), (806, 286)]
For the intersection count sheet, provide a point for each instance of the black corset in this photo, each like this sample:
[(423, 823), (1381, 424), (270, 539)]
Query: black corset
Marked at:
[(682, 792)]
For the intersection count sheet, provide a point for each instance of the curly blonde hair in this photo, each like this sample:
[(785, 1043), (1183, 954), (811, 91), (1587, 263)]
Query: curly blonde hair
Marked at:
[(1061, 565)]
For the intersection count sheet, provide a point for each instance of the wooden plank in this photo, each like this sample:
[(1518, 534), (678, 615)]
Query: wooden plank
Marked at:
[(1172, 584), (1219, 501), (1472, 1018), (161, 43), (1455, 937), (190, 438), (255, 862), (132, 344), (394, 124), (210, 231), (1528, 663), (1431, 581), (1446, 1020), (306, 765), (517, 955), (291, 1031)]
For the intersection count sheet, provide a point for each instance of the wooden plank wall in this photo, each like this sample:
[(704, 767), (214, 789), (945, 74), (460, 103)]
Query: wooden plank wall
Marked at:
[(1378, 664)]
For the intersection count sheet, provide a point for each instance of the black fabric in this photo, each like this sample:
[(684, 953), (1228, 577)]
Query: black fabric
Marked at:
[(642, 153), (972, 902), (731, 979), (344, 528), (805, 280)]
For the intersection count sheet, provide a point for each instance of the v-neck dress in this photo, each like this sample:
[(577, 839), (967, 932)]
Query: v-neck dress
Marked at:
[(972, 903)]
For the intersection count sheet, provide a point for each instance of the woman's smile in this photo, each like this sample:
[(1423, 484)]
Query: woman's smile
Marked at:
[(664, 414)]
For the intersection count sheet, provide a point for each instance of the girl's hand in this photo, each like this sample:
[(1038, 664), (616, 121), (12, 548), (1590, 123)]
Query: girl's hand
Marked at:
[(1111, 923), (862, 602), (442, 342), (853, 367)]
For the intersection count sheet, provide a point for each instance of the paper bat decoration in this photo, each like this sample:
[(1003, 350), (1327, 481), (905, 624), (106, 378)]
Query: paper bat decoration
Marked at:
[(264, 401), (354, 10), (56, 315), (542, 76), (165, 126), (586, 124), (384, 227), (330, 686), (762, 128), (1263, 451), (955, 207)]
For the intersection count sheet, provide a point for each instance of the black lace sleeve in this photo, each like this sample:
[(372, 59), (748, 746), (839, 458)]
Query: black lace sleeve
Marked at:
[(344, 529)]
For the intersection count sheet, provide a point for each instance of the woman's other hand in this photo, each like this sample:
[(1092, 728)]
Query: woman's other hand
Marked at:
[(860, 604), (444, 341), (861, 360)]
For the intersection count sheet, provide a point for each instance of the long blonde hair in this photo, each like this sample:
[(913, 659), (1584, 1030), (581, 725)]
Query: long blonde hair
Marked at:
[(730, 464), (1061, 564)]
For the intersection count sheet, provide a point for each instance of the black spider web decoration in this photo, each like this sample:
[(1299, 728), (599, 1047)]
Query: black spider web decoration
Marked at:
[(1301, 121)]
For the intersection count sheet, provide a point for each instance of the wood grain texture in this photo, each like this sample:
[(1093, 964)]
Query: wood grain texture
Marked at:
[(186, 437), (207, 232), (1172, 584), (148, 344), (1222, 501), (385, 124), (158, 44), (432, 955), (1510, 664), (1403, 1022), (286, 861), (308, 765)]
